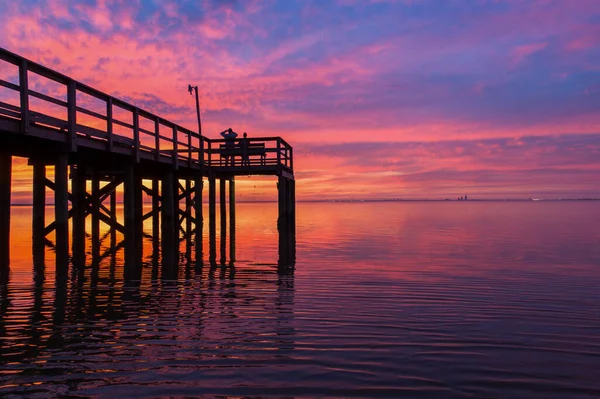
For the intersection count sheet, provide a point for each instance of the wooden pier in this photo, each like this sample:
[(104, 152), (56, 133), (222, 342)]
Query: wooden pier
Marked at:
[(98, 143)]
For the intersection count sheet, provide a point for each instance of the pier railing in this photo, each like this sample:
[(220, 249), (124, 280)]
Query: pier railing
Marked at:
[(48, 104), (78, 113), (262, 151)]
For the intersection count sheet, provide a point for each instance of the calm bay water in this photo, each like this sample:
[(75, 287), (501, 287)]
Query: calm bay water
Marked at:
[(388, 300)]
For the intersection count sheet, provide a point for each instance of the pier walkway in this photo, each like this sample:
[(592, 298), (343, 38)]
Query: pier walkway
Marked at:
[(88, 136)]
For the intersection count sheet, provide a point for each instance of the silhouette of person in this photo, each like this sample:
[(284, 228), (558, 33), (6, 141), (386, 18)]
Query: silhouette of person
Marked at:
[(229, 135), (244, 143)]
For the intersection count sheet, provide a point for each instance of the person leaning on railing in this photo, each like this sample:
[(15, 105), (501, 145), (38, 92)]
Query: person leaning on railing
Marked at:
[(229, 135)]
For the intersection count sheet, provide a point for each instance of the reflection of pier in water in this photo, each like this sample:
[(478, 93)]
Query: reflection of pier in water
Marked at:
[(98, 144), (108, 328)]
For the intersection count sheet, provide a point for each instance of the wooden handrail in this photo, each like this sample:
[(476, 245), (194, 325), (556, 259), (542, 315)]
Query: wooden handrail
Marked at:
[(182, 149)]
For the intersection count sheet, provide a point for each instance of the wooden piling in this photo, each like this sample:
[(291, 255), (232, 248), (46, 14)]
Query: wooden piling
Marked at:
[(38, 222), (188, 215), (282, 220), (223, 207), (131, 205), (61, 214), (155, 209), (95, 218), (78, 185), (5, 189), (232, 219), (199, 218), (212, 223), (168, 224)]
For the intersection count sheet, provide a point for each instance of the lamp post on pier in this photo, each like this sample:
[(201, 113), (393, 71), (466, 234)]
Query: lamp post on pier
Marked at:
[(199, 182)]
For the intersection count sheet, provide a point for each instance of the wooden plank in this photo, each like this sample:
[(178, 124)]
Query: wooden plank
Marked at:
[(9, 85), (47, 98), (91, 113)]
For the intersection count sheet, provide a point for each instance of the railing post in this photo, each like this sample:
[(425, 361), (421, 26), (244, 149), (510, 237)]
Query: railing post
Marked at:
[(201, 156), (72, 116), (109, 123), (157, 139), (136, 135), (209, 154), (189, 149), (24, 93), (291, 158), (175, 157), (278, 151)]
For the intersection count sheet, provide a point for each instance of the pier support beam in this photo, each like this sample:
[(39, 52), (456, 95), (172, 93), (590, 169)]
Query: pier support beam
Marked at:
[(232, 219), (223, 207), (155, 223), (212, 223), (168, 225), (199, 218), (95, 218), (38, 221), (78, 185), (61, 214), (132, 208), (286, 222), (188, 218), (5, 188)]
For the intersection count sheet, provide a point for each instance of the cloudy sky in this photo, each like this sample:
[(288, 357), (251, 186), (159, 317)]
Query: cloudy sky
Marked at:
[(380, 98)]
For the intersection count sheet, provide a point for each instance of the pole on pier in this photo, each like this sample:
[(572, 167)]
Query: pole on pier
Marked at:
[(168, 225), (38, 221), (5, 188), (212, 223), (223, 206), (232, 219), (61, 214), (78, 184), (199, 218)]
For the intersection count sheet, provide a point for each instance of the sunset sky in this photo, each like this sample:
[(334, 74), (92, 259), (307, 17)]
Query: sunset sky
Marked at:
[(380, 98)]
